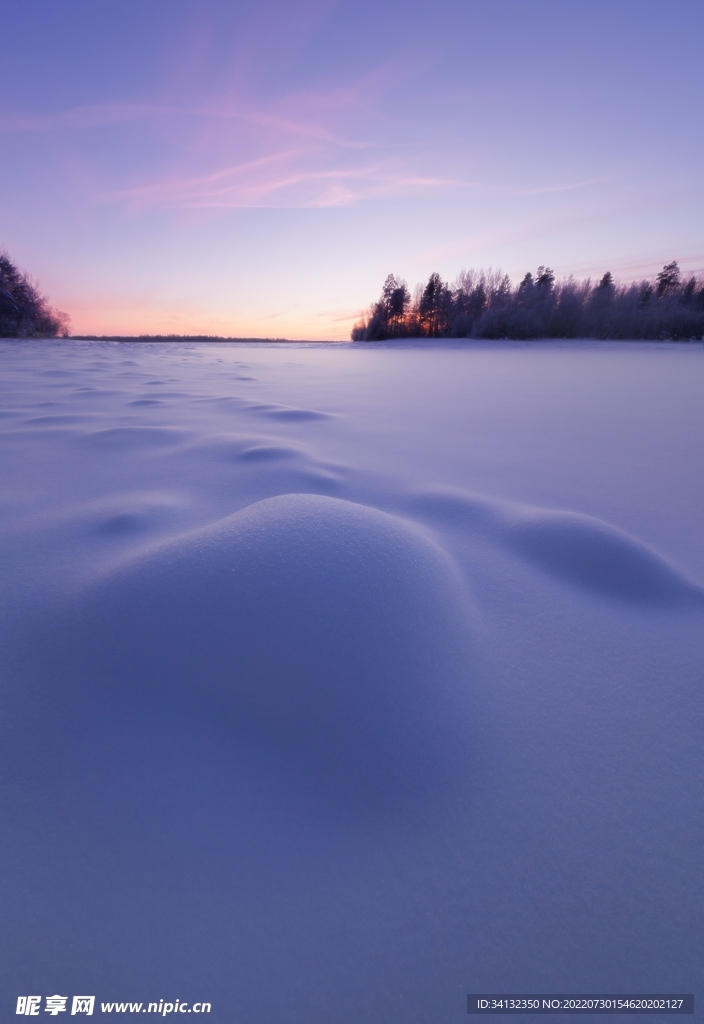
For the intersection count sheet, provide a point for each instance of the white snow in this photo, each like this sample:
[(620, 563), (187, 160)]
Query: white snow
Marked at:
[(341, 681)]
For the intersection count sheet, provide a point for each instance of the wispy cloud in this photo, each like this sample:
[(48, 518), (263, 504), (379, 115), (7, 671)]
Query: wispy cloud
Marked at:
[(286, 179), (569, 187), (630, 270), (297, 161), (80, 118), (304, 149), (505, 233)]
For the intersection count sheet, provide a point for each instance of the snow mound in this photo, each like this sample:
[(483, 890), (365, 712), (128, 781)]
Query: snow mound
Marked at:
[(580, 549), (588, 552), (137, 438), (125, 515), (332, 634), (268, 453), (282, 412), (268, 463), (248, 448)]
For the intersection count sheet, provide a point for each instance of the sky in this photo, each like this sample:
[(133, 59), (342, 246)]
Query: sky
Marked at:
[(256, 169)]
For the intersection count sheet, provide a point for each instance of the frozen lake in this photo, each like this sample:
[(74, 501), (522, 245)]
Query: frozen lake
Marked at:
[(341, 681)]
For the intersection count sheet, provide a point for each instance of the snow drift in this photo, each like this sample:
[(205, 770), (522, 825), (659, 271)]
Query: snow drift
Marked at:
[(339, 682), (333, 634), (579, 549)]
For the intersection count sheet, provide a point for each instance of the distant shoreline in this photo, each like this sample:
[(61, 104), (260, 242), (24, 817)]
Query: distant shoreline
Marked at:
[(414, 342), (195, 337)]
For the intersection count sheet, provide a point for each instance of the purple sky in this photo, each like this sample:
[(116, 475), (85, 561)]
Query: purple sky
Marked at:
[(258, 168)]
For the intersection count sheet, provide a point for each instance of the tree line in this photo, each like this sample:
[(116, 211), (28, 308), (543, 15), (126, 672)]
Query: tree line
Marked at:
[(24, 311), (484, 304)]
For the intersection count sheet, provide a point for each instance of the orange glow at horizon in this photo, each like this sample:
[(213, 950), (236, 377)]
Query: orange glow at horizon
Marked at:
[(120, 320)]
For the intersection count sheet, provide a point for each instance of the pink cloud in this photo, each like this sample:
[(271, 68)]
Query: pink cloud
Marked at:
[(321, 147), (304, 149), (294, 177)]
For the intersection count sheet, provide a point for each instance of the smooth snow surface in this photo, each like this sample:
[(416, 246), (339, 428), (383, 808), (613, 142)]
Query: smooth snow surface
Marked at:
[(339, 682)]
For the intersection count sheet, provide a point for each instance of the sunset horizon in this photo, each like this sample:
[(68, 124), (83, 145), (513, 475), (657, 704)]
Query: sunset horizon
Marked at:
[(262, 168)]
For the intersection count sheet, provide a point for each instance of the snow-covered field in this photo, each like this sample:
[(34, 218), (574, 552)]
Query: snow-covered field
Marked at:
[(339, 682)]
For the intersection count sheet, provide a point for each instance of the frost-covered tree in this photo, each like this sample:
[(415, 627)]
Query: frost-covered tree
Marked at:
[(24, 311), (483, 304)]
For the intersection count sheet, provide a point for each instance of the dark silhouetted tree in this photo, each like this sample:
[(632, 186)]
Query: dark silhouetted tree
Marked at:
[(24, 311), (395, 298), (526, 289), (544, 281), (668, 279), (606, 286), (483, 304), (645, 292), (689, 290), (434, 308)]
